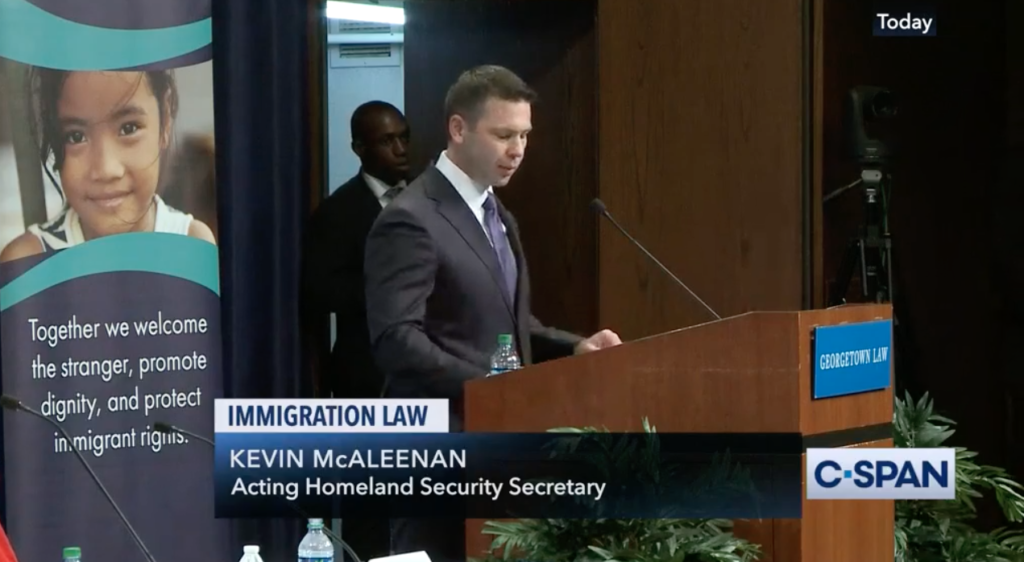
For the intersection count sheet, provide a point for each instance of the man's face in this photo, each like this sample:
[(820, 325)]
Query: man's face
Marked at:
[(384, 149), (493, 147)]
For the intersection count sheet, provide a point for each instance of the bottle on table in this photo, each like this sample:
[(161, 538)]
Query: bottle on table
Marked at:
[(72, 554), (505, 358), (316, 546), (251, 553)]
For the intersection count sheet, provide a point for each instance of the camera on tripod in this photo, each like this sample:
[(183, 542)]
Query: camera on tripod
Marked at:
[(867, 105), (870, 252)]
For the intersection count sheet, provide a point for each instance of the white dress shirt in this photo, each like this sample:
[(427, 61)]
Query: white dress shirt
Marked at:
[(473, 193), (380, 189)]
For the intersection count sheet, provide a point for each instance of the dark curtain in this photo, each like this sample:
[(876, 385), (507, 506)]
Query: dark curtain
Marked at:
[(1008, 263), (263, 162)]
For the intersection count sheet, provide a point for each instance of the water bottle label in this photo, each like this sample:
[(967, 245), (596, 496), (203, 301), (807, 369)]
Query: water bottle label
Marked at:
[(331, 559)]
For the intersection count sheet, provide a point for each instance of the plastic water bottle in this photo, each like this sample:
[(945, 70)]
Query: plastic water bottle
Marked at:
[(251, 553), (315, 546), (505, 358), (72, 554)]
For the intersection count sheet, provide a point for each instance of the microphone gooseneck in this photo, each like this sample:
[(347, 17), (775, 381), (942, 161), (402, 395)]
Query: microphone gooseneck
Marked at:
[(169, 429), (14, 404), (599, 207)]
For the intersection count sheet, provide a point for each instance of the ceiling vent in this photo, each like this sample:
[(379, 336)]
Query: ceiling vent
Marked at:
[(357, 44)]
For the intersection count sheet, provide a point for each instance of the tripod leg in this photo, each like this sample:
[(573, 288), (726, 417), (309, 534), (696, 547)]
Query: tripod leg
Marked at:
[(890, 289), (844, 275), (865, 272)]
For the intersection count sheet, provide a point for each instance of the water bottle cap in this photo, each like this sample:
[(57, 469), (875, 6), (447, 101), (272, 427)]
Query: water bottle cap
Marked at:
[(251, 549), (505, 339), (316, 523), (72, 552)]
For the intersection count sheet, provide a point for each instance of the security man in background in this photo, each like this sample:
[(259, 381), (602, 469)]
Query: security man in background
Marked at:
[(333, 273)]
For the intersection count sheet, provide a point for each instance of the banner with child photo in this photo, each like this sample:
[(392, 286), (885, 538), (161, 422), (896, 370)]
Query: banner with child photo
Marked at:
[(109, 281)]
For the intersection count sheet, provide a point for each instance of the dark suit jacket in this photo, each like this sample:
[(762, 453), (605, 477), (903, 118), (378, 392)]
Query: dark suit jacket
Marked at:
[(434, 298), (333, 282)]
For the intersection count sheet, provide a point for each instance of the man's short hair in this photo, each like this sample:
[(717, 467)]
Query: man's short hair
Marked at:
[(475, 86), (360, 117)]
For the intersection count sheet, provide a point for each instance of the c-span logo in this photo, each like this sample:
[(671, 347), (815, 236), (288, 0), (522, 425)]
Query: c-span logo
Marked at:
[(881, 474)]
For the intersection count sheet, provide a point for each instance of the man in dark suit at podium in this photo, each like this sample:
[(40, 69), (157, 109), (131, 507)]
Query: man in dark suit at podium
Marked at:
[(334, 271), (446, 275)]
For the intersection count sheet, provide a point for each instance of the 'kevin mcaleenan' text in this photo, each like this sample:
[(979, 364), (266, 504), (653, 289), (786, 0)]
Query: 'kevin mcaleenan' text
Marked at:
[(329, 458)]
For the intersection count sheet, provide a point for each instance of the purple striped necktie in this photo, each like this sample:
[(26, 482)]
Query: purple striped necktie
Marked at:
[(499, 239)]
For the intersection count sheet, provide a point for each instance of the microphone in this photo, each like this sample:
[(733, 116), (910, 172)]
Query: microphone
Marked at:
[(170, 429), (599, 207), (13, 404)]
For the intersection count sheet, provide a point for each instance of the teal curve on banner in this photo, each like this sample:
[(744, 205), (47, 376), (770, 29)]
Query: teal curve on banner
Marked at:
[(31, 35), (175, 255)]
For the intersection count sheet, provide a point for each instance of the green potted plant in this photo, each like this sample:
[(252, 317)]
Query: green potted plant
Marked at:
[(926, 531), (943, 531)]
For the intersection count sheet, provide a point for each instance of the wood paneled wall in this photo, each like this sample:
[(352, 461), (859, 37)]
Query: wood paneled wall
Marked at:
[(700, 157)]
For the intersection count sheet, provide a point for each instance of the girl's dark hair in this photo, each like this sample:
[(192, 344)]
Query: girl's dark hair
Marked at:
[(46, 86)]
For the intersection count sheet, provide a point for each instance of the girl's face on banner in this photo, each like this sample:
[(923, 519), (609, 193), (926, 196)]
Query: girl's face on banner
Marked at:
[(110, 126)]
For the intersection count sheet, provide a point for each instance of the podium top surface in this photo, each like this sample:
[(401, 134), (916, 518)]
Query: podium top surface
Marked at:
[(750, 373)]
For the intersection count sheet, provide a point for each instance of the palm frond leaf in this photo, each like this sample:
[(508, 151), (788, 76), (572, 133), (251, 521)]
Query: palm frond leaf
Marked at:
[(942, 531)]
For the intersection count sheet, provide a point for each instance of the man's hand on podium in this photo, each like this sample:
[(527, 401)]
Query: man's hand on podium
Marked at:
[(600, 340)]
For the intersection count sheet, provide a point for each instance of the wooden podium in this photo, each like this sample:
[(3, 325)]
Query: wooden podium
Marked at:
[(745, 374)]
